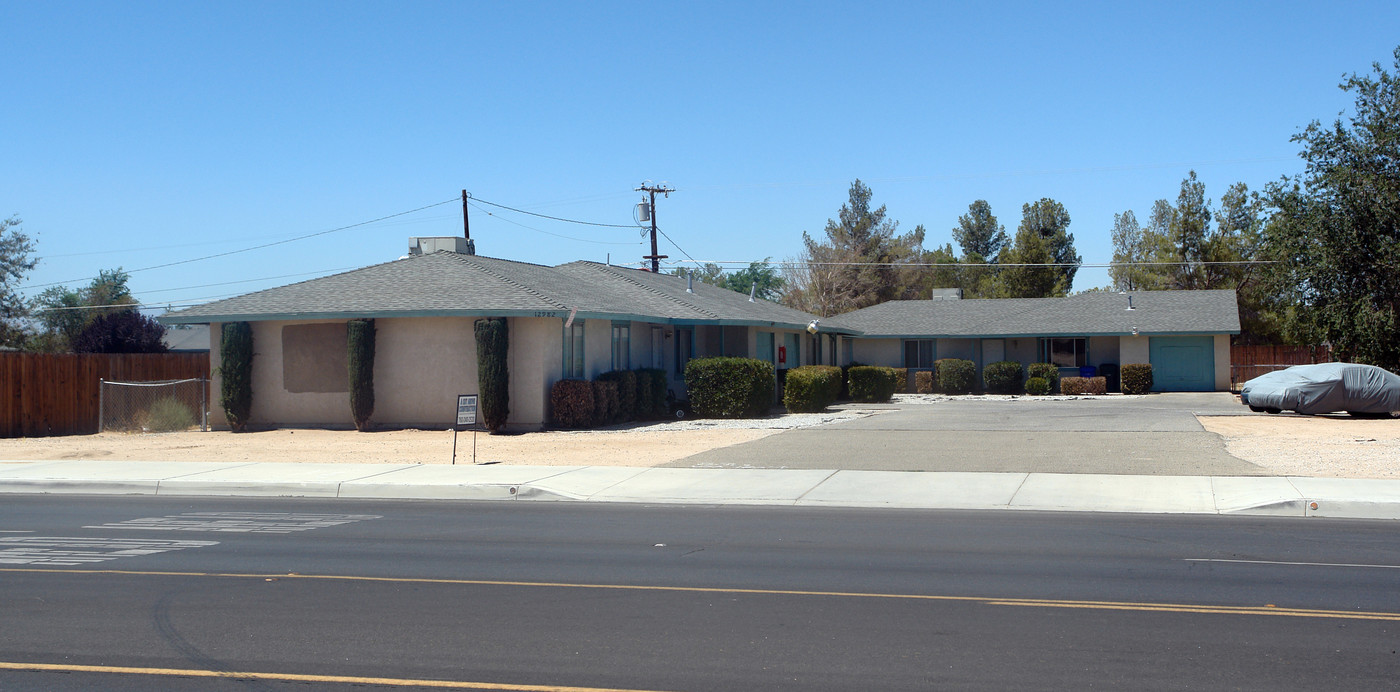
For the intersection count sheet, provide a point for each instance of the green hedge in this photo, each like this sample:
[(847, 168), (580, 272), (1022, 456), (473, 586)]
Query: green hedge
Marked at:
[(1083, 385), (872, 384), (729, 387), (605, 402), (1002, 377), (571, 403), (901, 379), (1046, 371), (811, 388), (923, 381), (492, 373), (360, 357), (651, 393), (1136, 378), (1037, 386), (626, 394), (236, 374), (955, 375)]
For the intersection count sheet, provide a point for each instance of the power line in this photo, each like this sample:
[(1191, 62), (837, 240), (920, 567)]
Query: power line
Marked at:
[(1082, 265), (472, 201), (256, 247), (546, 216)]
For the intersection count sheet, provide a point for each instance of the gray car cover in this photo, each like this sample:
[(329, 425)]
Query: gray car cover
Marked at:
[(1325, 388)]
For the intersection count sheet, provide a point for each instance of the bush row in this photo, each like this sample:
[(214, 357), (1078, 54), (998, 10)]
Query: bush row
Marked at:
[(613, 397)]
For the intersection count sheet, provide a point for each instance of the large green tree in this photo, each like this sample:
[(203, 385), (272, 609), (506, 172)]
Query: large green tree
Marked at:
[(1336, 228), (16, 261), (1043, 238), (978, 233), (64, 313)]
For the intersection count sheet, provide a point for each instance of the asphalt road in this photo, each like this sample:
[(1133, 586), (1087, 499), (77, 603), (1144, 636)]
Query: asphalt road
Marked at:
[(1152, 435), (151, 593)]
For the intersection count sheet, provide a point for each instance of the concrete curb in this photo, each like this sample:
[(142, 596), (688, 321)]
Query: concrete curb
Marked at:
[(1225, 495)]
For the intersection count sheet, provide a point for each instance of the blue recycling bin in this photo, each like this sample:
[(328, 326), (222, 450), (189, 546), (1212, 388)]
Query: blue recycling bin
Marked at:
[(1086, 371)]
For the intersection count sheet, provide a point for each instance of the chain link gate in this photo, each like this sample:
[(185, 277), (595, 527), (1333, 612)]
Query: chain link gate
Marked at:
[(164, 406)]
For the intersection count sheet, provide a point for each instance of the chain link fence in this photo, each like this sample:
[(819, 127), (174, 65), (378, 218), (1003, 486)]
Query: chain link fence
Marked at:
[(165, 406)]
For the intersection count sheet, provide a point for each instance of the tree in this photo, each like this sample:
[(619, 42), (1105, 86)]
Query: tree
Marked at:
[(978, 232), (16, 261), (360, 363), (65, 313), (1189, 225), (862, 262), (1336, 228), (1128, 251), (760, 277), (236, 374), (493, 371), (1042, 238), (127, 331)]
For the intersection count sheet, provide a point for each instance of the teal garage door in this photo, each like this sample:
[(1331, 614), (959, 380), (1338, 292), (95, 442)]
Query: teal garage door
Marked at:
[(1182, 363)]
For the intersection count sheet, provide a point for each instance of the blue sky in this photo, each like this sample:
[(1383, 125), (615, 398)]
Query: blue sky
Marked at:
[(140, 134)]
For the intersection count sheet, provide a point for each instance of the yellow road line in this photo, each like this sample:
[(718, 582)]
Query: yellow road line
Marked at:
[(985, 600), (298, 677)]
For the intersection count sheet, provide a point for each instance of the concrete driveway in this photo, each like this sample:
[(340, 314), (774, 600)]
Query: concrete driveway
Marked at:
[(1151, 435)]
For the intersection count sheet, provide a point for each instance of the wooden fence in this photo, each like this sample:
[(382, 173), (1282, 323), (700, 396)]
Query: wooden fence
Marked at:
[(56, 394), (1249, 362)]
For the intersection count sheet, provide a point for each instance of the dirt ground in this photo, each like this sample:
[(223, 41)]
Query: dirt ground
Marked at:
[(1325, 446)]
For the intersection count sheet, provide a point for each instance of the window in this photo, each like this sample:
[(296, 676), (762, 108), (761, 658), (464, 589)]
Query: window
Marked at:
[(573, 350), (622, 346), (1066, 353), (685, 345), (918, 354)]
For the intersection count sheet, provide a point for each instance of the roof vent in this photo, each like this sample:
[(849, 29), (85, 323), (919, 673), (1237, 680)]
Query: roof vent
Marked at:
[(1130, 303), (946, 294), (753, 291), (689, 282), (431, 244)]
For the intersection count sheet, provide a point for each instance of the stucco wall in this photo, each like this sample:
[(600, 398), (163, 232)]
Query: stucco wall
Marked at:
[(536, 362), (886, 352), (1103, 349), (1133, 349), (218, 420), (954, 348), (421, 364), (273, 405), (1222, 362), (1023, 350), (597, 347)]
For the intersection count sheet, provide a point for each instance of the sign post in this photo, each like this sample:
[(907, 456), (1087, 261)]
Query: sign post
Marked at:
[(466, 415)]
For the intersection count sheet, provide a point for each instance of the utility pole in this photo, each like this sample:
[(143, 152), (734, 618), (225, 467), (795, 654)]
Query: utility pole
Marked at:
[(466, 227), (652, 190)]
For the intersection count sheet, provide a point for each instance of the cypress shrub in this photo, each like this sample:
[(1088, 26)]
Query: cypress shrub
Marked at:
[(626, 381), (360, 343), (492, 373), (923, 381), (872, 384), (1002, 377), (729, 387), (1082, 385), (1136, 378), (571, 403), (236, 373), (1037, 386), (955, 375), (605, 402), (1046, 371), (811, 388), (657, 395)]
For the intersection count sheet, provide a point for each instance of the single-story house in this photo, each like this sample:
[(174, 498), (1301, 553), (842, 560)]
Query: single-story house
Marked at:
[(1184, 335), (575, 320)]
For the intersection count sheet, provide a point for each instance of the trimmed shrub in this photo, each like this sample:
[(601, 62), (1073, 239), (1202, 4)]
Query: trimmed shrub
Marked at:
[(872, 384), (923, 381), (492, 373), (728, 387), (901, 379), (1037, 386), (643, 409), (626, 393), (605, 403), (1046, 371), (845, 394), (571, 403), (1136, 378), (236, 374), (1002, 377), (811, 388), (654, 391), (955, 375), (360, 357), (1083, 385), (167, 414)]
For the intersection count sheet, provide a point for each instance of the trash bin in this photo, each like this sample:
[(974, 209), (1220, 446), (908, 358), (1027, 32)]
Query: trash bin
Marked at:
[(1109, 373)]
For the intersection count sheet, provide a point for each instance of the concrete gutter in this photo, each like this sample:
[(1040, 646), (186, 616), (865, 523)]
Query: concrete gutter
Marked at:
[(1258, 496)]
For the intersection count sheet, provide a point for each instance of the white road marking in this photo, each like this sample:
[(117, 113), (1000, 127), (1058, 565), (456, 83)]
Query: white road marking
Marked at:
[(40, 550), (1281, 562), (238, 522)]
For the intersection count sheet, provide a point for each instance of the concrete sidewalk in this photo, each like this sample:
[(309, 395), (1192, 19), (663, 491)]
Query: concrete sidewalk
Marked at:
[(1256, 495)]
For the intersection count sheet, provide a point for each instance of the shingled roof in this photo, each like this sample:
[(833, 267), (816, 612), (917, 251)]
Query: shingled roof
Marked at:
[(1089, 314), (447, 283)]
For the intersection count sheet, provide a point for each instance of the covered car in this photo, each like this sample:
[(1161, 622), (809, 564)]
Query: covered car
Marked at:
[(1363, 390)]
